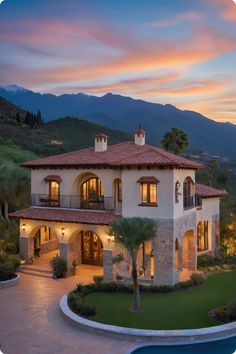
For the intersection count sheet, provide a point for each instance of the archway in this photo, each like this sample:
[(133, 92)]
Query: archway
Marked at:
[(189, 251), (85, 247), (88, 192), (44, 239)]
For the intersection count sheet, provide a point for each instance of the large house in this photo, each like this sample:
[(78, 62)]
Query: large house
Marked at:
[(77, 195)]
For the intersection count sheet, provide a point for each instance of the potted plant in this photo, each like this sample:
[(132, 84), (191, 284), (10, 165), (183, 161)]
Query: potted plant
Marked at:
[(74, 267)]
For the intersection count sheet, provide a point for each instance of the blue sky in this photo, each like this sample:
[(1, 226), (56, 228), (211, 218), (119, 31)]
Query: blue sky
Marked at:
[(182, 52)]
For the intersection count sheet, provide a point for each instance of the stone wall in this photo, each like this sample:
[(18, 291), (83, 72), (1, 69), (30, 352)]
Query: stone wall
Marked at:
[(27, 248), (49, 246)]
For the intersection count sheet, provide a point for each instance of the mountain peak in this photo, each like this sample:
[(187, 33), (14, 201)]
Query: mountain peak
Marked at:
[(13, 88)]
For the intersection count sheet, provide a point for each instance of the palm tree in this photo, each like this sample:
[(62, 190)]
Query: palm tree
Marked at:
[(132, 233), (175, 141)]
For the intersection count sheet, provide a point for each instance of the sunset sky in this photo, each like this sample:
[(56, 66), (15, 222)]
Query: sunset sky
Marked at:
[(182, 52)]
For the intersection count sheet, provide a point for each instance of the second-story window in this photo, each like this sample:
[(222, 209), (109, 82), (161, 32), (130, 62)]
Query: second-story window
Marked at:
[(189, 193), (54, 193), (148, 191)]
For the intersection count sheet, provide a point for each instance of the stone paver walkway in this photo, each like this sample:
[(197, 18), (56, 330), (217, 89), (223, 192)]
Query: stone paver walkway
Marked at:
[(31, 322)]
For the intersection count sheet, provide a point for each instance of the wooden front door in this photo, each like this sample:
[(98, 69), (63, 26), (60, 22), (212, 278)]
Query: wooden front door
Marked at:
[(91, 248)]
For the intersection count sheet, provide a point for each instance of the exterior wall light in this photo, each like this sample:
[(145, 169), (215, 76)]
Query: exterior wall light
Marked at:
[(108, 238), (177, 192), (23, 227), (63, 231)]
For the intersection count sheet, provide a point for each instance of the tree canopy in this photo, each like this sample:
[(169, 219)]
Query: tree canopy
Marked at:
[(175, 141)]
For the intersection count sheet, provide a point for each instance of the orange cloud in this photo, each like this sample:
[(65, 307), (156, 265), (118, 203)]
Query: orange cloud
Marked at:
[(226, 8), (194, 88)]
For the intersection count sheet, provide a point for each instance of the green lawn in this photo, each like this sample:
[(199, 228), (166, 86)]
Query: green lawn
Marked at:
[(184, 309)]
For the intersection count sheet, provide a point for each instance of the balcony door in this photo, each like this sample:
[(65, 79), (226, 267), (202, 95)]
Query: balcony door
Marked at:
[(91, 248), (54, 193), (92, 194)]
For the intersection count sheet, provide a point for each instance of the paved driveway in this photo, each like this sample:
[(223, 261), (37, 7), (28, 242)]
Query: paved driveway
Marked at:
[(30, 321)]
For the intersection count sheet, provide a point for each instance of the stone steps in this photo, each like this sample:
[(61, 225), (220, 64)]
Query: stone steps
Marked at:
[(36, 271)]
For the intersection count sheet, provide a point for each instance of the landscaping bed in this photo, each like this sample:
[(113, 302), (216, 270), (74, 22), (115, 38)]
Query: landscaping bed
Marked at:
[(169, 310)]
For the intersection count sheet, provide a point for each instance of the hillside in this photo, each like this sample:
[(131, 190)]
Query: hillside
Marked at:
[(119, 112), (54, 137)]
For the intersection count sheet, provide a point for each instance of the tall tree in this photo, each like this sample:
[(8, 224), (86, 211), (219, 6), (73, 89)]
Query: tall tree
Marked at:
[(175, 141), (132, 233)]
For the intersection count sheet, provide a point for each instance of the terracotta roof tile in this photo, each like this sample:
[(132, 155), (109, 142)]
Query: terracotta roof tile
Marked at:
[(209, 192), (123, 154), (66, 215)]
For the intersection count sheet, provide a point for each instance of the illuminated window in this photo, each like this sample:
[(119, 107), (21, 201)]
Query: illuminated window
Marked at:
[(119, 191), (202, 236), (148, 193)]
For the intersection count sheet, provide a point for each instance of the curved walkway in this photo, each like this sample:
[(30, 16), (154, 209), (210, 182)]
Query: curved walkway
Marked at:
[(31, 322)]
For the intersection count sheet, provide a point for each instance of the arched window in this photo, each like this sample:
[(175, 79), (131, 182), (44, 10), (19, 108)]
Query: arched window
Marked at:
[(176, 254), (202, 236), (92, 194), (189, 193)]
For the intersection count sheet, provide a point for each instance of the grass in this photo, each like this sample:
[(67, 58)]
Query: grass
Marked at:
[(180, 310)]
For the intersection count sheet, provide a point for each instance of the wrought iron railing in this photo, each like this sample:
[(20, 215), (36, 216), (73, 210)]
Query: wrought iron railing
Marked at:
[(192, 201), (73, 202)]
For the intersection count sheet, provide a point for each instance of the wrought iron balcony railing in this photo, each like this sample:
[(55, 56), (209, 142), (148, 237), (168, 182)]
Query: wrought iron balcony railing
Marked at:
[(72, 202), (192, 201)]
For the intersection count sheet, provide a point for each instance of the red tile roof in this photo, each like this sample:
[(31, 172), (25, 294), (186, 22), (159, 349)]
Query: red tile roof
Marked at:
[(67, 215), (118, 155), (209, 192)]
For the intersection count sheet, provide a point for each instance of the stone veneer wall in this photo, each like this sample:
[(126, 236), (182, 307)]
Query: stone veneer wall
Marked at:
[(164, 247), (215, 234), (49, 246), (27, 247), (107, 265)]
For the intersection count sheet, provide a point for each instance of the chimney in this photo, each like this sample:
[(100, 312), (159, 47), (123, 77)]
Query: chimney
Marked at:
[(139, 136), (100, 143)]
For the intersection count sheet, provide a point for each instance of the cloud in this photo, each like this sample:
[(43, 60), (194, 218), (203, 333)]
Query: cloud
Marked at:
[(225, 8), (175, 20)]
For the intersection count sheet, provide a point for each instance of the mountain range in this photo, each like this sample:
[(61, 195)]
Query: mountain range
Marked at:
[(125, 113)]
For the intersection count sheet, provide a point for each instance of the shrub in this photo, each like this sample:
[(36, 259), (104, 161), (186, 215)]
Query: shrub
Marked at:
[(59, 267), (7, 271), (232, 308), (77, 304), (98, 279), (15, 260), (197, 279), (222, 314), (206, 261)]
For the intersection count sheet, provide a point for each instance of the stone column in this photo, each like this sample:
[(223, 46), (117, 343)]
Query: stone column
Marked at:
[(164, 260), (27, 248), (107, 265), (215, 234), (64, 254)]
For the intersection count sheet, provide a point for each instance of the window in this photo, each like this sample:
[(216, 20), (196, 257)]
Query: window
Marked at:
[(189, 193), (148, 190), (202, 236), (119, 191), (54, 193), (149, 193)]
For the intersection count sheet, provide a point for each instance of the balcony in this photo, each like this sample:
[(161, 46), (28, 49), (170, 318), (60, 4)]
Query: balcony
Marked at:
[(72, 202), (192, 201)]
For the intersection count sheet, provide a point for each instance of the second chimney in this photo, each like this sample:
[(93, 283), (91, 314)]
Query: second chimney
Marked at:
[(139, 137), (100, 143)]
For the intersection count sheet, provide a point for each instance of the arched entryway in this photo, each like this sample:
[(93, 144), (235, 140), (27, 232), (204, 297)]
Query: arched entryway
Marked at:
[(85, 247), (91, 248), (44, 240), (189, 251)]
